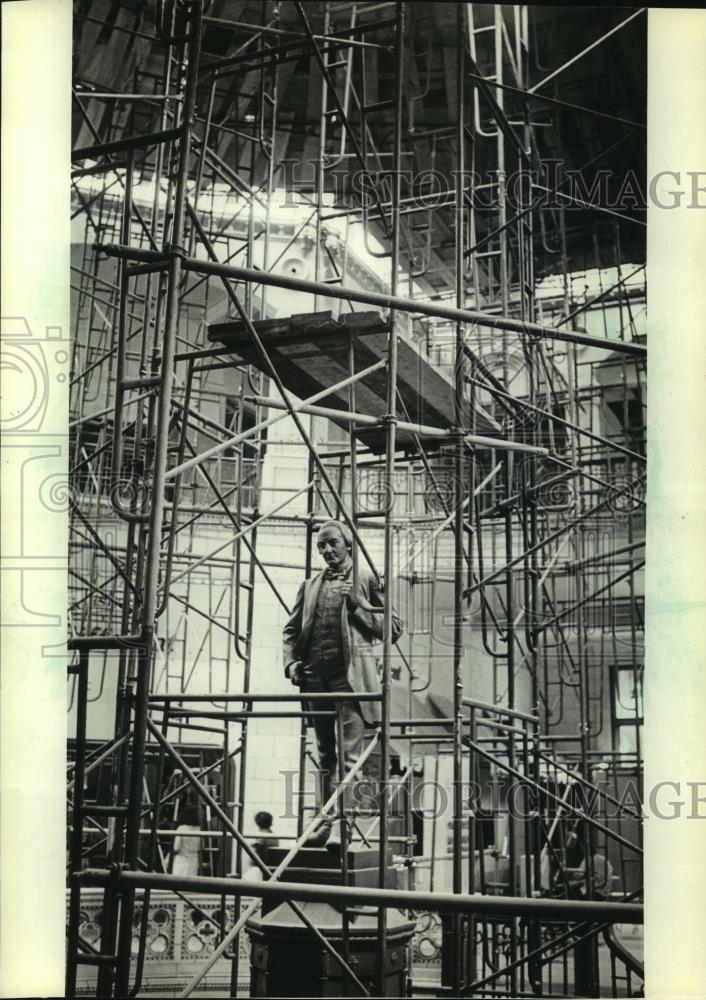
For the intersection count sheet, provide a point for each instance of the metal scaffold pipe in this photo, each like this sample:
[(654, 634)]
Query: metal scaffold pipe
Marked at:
[(382, 299), (423, 430), (156, 514), (390, 421), (443, 902)]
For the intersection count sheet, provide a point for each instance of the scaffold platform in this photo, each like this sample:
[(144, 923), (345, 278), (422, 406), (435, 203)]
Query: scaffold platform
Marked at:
[(312, 351)]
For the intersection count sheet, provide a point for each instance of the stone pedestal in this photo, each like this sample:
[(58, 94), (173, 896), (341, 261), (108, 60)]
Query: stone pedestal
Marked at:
[(288, 960)]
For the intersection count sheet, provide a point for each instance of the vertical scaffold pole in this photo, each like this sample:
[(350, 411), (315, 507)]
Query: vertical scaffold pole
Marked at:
[(77, 828), (459, 515), (239, 816), (510, 608), (156, 514), (390, 421), (308, 559)]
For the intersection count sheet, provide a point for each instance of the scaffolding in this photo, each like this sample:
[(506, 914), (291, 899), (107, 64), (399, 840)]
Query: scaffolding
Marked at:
[(505, 495)]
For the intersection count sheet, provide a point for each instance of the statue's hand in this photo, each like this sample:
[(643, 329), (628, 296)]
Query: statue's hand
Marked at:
[(346, 588), (296, 673)]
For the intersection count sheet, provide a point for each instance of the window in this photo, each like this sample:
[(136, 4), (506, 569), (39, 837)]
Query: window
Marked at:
[(627, 705)]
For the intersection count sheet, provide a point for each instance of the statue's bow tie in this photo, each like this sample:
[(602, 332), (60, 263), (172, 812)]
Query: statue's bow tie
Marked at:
[(332, 575)]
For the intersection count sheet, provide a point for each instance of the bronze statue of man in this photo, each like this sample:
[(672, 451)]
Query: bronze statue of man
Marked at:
[(329, 646)]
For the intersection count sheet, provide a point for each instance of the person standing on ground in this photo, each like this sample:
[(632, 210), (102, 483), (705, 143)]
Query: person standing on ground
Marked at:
[(187, 847)]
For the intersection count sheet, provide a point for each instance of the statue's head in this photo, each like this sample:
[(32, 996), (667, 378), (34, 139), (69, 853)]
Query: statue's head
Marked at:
[(335, 543)]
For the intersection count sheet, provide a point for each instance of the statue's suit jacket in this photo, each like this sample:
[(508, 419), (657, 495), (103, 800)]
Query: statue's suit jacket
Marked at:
[(360, 631)]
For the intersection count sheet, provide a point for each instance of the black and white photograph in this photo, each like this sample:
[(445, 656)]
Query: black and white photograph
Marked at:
[(354, 481)]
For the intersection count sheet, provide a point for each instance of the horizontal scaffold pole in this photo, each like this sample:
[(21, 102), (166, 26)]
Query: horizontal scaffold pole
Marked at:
[(121, 145), (381, 299), (513, 713), (441, 902), (425, 430), (86, 643), (228, 696)]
